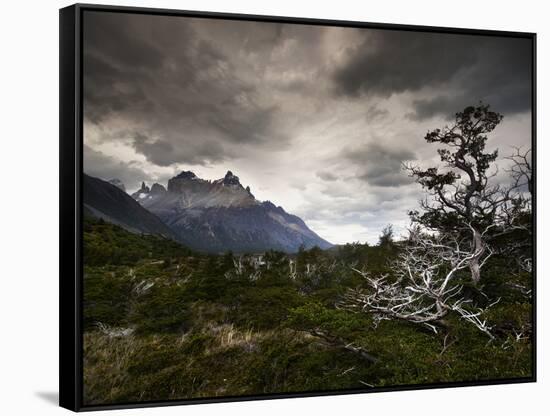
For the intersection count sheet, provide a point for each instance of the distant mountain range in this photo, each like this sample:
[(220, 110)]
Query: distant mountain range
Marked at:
[(212, 216)]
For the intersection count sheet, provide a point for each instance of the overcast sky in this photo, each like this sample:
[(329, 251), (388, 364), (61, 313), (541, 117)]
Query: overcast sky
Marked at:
[(316, 119)]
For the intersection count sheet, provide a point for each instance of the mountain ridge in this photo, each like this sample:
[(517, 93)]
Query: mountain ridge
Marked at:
[(102, 199), (223, 215)]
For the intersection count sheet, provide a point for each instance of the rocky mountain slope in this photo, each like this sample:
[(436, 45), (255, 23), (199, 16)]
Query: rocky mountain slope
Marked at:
[(221, 215), (107, 201)]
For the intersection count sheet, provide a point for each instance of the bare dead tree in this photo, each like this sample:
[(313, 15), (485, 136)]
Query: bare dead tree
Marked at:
[(515, 213), (425, 287), (238, 265), (245, 266), (521, 170), (292, 273)]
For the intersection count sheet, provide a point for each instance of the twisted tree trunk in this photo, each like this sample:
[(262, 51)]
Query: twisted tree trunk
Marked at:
[(479, 248)]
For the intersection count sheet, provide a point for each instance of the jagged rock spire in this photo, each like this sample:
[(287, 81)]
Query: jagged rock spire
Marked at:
[(231, 179), (157, 189)]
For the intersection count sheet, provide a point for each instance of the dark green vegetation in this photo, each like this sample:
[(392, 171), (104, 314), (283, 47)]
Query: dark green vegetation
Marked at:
[(451, 303), (164, 323)]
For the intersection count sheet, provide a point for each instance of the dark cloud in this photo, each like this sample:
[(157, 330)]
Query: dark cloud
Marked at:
[(380, 165), (465, 68), (164, 153), (154, 75), (388, 62)]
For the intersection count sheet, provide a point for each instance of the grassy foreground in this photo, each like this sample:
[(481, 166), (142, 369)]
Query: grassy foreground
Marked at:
[(162, 322)]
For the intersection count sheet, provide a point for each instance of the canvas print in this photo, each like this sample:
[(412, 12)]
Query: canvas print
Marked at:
[(278, 208)]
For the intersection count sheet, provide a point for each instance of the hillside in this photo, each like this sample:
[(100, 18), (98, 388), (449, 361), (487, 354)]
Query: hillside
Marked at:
[(107, 201), (162, 322)]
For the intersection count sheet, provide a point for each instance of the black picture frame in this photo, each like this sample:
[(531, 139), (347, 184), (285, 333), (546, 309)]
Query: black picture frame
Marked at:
[(71, 215)]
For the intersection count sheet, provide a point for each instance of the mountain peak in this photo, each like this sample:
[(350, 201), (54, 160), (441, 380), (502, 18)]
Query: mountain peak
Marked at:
[(186, 174), (141, 192), (230, 179), (157, 189), (144, 188), (220, 215)]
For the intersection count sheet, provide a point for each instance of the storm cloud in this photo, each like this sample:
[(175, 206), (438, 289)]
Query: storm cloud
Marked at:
[(379, 165), (316, 119), (456, 69), (151, 75)]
